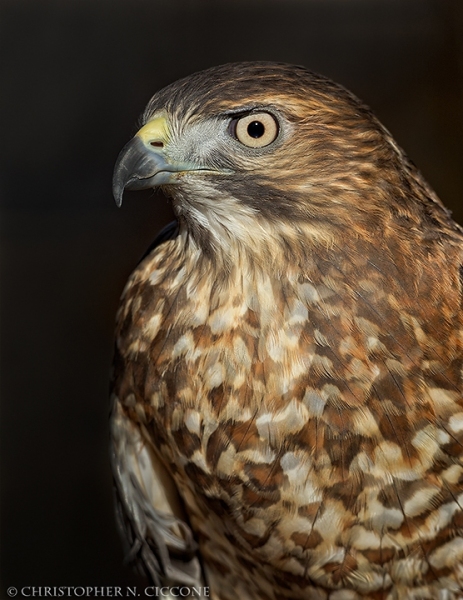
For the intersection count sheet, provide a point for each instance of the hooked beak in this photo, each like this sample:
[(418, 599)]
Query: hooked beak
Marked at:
[(142, 163)]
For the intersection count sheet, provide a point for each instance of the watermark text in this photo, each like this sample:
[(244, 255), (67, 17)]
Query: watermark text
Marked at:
[(31, 591)]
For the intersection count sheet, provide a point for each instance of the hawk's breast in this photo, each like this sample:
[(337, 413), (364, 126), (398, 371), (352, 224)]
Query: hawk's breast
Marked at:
[(287, 414)]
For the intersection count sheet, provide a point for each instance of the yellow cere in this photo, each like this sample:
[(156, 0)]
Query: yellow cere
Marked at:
[(153, 131)]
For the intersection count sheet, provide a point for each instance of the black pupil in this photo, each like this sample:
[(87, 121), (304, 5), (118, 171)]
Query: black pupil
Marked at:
[(256, 129)]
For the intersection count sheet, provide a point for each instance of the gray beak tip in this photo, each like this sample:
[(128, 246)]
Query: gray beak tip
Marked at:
[(136, 168), (118, 189)]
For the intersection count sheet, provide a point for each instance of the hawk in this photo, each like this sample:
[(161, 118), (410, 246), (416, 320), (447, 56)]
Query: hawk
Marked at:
[(287, 416)]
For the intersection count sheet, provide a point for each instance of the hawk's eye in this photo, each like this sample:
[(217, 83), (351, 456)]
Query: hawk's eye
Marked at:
[(255, 130)]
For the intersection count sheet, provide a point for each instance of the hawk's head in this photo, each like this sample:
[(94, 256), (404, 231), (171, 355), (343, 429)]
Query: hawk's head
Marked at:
[(257, 151)]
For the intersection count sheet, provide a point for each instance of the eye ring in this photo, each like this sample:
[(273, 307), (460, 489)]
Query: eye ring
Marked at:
[(255, 130)]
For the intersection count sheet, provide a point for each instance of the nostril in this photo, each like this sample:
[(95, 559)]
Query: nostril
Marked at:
[(157, 144)]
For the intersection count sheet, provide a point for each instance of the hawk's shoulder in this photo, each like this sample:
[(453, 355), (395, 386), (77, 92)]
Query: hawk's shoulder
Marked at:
[(169, 232)]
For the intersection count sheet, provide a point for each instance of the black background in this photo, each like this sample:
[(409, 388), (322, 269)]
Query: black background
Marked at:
[(75, 75)]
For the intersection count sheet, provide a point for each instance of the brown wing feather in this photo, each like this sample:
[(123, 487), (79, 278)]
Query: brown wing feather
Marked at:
[(150, 517)]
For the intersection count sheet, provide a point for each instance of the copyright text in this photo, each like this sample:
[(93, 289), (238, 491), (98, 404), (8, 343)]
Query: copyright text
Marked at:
[(107, 592)]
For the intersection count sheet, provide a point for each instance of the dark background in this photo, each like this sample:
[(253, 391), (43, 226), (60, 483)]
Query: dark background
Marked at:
[(75, 75)]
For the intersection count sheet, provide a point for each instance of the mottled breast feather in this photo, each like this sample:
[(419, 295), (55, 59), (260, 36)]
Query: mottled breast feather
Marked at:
[(298, 366)]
